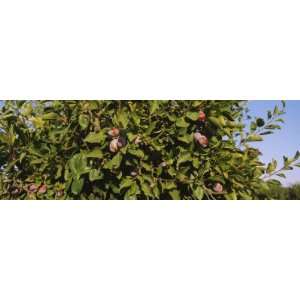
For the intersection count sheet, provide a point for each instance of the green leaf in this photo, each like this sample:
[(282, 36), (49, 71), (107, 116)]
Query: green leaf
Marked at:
[(96, 153), (95, 175), (172, 117), (272, 166), (216, 179), (287, 161), (172, 171), (146, 166), (95, 138), (154, 105), (58, 172), (37, 161), (245, 196), (231, 196), (136, 119), (276, 110), (93, 105), (22, 156), (4, 138), (184, 158), (198, 193), (269, 114), (26, 109), (281, 175), (273, 126), (185, 139), (50, 116), (197, 103), (175, 194), (150, 128), (253, 126), (78, 165), (123, 119), (216, 121), (114, 163), (222, 121), (84, 121), (125, 183), (254, 138), (196, 163), (10, 165), (169, 185), (297, 155), (181, 123), (136, 152), (266, 132), (192, 116), (131, 193), (145, 187), (77, 186)]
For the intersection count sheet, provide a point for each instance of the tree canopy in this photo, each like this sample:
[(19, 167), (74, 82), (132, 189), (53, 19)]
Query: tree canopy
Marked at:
[(155, 149)]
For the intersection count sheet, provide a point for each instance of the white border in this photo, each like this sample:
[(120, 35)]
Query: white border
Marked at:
[(149, 250), (138, 49)]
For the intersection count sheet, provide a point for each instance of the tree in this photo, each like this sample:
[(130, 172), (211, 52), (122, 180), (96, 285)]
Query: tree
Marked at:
[(135, 150)]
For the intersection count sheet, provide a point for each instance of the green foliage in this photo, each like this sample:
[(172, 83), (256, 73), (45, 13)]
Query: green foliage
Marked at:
[(278, 192), (62, 150)]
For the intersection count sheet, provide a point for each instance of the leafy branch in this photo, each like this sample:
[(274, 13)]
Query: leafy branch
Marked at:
[(288, 164)]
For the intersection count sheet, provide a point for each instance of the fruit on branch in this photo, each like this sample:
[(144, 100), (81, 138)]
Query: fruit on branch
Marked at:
[(42, 189), (201, 139), (202, 116), (121, 142), (32, 188), (114, 132), (218, 187), (183, 149), (113, 146), (15, 191), (116, 144), (197, 136)]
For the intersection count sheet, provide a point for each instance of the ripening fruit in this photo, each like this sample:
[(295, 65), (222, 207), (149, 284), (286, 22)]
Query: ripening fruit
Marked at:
[(121, 142), (113, 146), (42, 189), (32, 188), (202, 116), (197, 136), (114, 132), (15, 191), (218, 187), (201, 139)]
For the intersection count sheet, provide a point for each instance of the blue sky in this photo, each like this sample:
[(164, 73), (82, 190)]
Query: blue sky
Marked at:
[(283, 142)]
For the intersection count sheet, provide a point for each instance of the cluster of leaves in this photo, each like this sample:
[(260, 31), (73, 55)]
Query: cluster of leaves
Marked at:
[(60, 150)]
